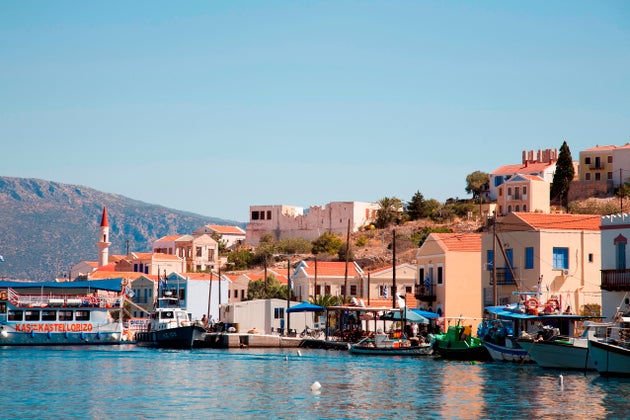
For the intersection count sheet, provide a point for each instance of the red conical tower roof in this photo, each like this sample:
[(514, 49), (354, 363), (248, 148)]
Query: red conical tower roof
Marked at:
[(104, 218)]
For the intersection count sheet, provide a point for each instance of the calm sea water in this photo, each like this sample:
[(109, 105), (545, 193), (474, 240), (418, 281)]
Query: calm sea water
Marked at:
[(132, 382)]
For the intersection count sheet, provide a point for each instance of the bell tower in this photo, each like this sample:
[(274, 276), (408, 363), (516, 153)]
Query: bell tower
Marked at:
[(103, 243)]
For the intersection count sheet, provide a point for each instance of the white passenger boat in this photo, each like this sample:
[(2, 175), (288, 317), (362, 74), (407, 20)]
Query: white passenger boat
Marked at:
[(65, 313)]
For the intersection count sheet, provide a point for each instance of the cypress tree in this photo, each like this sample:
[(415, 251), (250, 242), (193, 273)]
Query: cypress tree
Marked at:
[(563, 176)]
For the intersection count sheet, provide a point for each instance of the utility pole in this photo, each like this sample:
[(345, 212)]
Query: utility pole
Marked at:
[(345, 277), (394, 268)]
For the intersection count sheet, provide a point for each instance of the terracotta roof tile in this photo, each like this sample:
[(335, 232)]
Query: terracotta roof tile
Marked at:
[(460, 242), (522, 168), (545, 221), (226, 229)]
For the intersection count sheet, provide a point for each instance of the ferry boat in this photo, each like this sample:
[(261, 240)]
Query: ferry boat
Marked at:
[(64, 313)]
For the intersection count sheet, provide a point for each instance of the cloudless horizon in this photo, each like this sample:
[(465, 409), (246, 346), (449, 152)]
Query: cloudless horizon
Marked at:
[(211, 107)]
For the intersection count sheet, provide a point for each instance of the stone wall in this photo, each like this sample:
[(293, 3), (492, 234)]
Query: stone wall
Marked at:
[(581, 190)]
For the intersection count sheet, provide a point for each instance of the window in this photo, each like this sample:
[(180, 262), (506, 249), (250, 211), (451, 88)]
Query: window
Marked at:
[(598, 176), (524, 190), (560, 258), (610, 159), (353, 289), (268, 214), (590, 257), (509, 192), (278, 313), (255, 215), (31, 315), (609, 175), (517, 193), (65, 315), (48, 315), (15, 315), (198, 251), (327, 290), (529, 258), (524, 207), (343, 289), (587, 176), (440, 276), (500, 192), (587, 160), (408, 289), (489, 259), (82, 315), (509, 209), (517, 208)]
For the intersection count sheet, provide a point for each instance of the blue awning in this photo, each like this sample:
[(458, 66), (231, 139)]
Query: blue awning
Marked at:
[(509, 312), (426, 314), (306, 307)]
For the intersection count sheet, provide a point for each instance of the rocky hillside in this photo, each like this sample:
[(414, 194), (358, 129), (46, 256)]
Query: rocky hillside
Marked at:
[(46, 227)]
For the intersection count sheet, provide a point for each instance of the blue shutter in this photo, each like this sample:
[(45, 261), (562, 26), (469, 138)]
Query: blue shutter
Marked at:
[(529, 258), (489, 259)]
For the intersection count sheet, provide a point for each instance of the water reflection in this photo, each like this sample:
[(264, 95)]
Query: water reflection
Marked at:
[(254, 383)]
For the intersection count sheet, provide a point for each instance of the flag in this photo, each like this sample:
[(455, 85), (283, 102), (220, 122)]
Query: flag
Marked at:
[(128, 292)]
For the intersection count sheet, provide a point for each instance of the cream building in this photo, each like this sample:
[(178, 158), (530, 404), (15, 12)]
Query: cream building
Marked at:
[(199, 252), (549, 255), (542, 165), (319, 278), (379, 283), (231, 235), (294, 222), (449, 275), (523, 193)]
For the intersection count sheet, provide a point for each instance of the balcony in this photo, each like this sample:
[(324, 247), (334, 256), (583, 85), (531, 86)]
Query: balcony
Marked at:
[(504, 276), (424, 293), (616, 280)]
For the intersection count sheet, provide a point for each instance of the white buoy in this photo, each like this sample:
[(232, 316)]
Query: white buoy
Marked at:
[(316, 386), (561, 381), (299, 353), (286, 358)]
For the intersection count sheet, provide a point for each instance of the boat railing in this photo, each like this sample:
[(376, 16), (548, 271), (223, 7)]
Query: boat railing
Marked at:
[(619, 336), (53, 300)]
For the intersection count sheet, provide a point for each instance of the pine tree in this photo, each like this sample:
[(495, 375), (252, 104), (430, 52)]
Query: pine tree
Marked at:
[(416, 207), (563, 176)]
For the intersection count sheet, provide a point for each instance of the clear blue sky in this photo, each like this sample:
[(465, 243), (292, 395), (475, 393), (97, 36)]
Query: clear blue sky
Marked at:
[(213, 106)]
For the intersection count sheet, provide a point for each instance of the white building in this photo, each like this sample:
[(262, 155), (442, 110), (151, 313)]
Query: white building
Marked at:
[(294, 222)]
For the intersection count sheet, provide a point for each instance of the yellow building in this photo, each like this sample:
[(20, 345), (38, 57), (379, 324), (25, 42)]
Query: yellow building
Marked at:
[(449, 273)]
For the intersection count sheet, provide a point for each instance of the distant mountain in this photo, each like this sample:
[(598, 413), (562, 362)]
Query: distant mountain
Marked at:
[(47, 227)]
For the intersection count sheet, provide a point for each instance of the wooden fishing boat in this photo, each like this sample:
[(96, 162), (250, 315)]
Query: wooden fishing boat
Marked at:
[(458, 343), (381, 344)]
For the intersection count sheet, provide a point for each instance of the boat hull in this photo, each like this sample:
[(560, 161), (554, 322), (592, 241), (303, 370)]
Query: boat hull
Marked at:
[(557, 354), (423, 350), (507, 354), (610, 359), (479, 353), (173, 338), (59, 339)]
